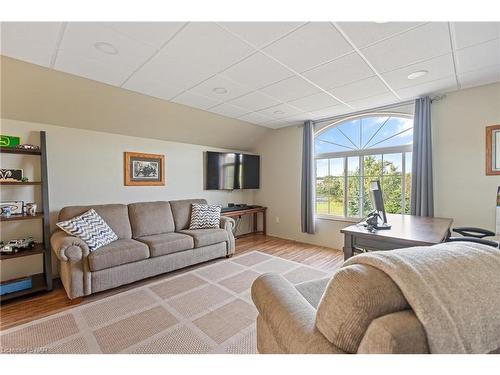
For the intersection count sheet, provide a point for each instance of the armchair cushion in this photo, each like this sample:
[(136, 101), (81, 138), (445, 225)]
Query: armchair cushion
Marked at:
[(117, 253), (167, 243), (205, 237)]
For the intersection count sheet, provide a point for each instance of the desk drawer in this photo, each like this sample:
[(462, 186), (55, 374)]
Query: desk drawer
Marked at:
[(378, 244)]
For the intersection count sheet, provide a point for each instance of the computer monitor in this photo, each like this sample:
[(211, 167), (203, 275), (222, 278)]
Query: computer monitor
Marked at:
[(378, 203)]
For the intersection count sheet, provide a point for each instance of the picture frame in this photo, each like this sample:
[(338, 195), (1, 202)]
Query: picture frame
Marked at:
[(16, 207), (142, 169), (493, 150), (11, 175)]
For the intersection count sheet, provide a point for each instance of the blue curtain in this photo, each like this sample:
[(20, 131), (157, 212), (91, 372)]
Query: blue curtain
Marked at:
[(307, 188), (422, 196)]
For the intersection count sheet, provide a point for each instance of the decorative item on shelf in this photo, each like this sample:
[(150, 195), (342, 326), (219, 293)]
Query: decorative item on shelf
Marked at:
[(15, 285), (11, 208), (13, 246), (24, 179), (9, 141), (11, 175), (30, 209), (493, 150), (27, 146), (144, 169)]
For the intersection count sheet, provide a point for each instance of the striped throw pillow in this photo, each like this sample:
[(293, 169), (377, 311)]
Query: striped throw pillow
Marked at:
[(90, 228), (204, 216)]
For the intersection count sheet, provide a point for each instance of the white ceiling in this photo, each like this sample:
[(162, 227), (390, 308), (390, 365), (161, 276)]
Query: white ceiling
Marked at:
[(275, 74)]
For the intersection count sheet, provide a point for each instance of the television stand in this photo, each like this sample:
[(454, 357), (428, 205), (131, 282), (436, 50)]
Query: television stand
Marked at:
[(248, 210)]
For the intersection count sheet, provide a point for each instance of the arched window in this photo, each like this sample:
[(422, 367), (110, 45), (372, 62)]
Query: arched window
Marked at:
[(354, 151)]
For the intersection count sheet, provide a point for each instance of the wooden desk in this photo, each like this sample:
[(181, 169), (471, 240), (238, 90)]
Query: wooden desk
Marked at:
[(406, 231), (250, 211)]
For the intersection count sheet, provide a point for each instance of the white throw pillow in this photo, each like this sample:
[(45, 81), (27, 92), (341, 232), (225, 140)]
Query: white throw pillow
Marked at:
[(204, 216), (90, 228)]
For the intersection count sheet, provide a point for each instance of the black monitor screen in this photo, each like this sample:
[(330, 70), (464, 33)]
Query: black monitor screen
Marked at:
[(377, 198)]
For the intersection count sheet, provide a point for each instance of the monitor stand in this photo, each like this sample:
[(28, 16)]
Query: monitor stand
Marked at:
[(382, 226)]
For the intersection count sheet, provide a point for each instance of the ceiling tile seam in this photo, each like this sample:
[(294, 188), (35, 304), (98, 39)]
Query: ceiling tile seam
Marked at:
[(478, 44), (286, 67), (346, 37), (487, 67), (395, 35), (452, 36), (155, 53), (60, 37), (416, 62)]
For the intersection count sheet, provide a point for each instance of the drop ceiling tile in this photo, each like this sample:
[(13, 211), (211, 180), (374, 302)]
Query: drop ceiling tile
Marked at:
[(80, 38), (254, 101), (92, 69), (438, 68), (255, 118), (363, 34), (260, 34), (330, 112), (280, 111), (339, 72), (467, 34), (157, 88), (360, 89), (33, 42), (480, 77), (207, 87), (277, 124), (257, 71), (478, 56), (429, 88), (374, 101), (152, 33), (310, 45), (290, 89), (194, 100), (421, 43), (229, 110), (314, 102), (199, 51)]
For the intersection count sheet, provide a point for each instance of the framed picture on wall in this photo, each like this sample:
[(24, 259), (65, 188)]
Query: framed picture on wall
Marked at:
[(144, 169), (493, 150)]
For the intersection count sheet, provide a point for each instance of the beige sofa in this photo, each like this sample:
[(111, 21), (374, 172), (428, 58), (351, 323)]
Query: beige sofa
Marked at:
[(153, 238), (359, 310)]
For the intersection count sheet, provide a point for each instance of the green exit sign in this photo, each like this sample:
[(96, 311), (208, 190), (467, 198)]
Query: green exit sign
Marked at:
[(9, 141)]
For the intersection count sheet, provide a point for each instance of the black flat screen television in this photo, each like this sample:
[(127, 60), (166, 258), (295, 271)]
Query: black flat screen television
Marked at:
[(231, 171)]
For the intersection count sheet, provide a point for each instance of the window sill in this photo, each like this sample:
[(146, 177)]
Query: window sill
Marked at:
[(339, 218)]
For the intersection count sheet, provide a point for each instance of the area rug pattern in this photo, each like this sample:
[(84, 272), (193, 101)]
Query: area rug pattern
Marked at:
[(205, 310)]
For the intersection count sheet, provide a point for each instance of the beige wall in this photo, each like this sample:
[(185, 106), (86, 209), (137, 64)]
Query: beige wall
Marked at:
[(33, 93), (86, 167), (462, 191)]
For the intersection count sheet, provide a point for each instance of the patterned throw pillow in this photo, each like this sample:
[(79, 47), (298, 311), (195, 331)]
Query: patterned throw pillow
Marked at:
[(204, 216), (90, 228)]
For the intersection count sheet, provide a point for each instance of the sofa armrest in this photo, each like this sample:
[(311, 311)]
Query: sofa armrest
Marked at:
[(227, 223), (68, 248), (288, 316)]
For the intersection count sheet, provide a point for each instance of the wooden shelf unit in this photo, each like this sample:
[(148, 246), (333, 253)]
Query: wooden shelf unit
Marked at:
[(40, 281)]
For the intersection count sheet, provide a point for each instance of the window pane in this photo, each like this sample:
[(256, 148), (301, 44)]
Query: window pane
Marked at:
[(330, 196), (393, 163), (367, 201), (332, 140), (393, 193), (408, 162), (337, 167), (350, 132), (397, 131), (321, 167), (353, 166), (353, 201), (372, 166)]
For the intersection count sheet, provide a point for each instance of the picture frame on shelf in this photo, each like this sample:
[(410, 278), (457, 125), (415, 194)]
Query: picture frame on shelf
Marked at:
[(15, 207), (493, 150), (142, 169), (11, 175), (10, 141)]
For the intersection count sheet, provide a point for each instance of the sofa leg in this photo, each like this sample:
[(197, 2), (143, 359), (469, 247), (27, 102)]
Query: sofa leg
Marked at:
[(229, 255)]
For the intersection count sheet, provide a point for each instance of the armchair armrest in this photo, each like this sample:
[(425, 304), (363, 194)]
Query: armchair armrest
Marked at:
[(288, 316), (68, 248), (227, 223)]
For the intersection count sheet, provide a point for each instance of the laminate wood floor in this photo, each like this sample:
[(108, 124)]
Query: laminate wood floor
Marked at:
[(24, 310)]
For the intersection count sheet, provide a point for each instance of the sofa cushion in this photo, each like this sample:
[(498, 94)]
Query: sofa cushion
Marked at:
[(205, 237), (354, 297), (147, 218), (117, 253), (115, 215), (313, 290), (181, 210), (167, 243)]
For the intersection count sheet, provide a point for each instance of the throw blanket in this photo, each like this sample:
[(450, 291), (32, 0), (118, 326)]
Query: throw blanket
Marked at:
[(453, 288)]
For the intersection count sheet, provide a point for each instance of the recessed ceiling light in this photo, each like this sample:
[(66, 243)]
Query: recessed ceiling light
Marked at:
[(418, 74), (220, 90), (106, 48), (279, 112)]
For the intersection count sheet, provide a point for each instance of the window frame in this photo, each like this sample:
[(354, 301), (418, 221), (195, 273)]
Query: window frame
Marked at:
[(402, 149)]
